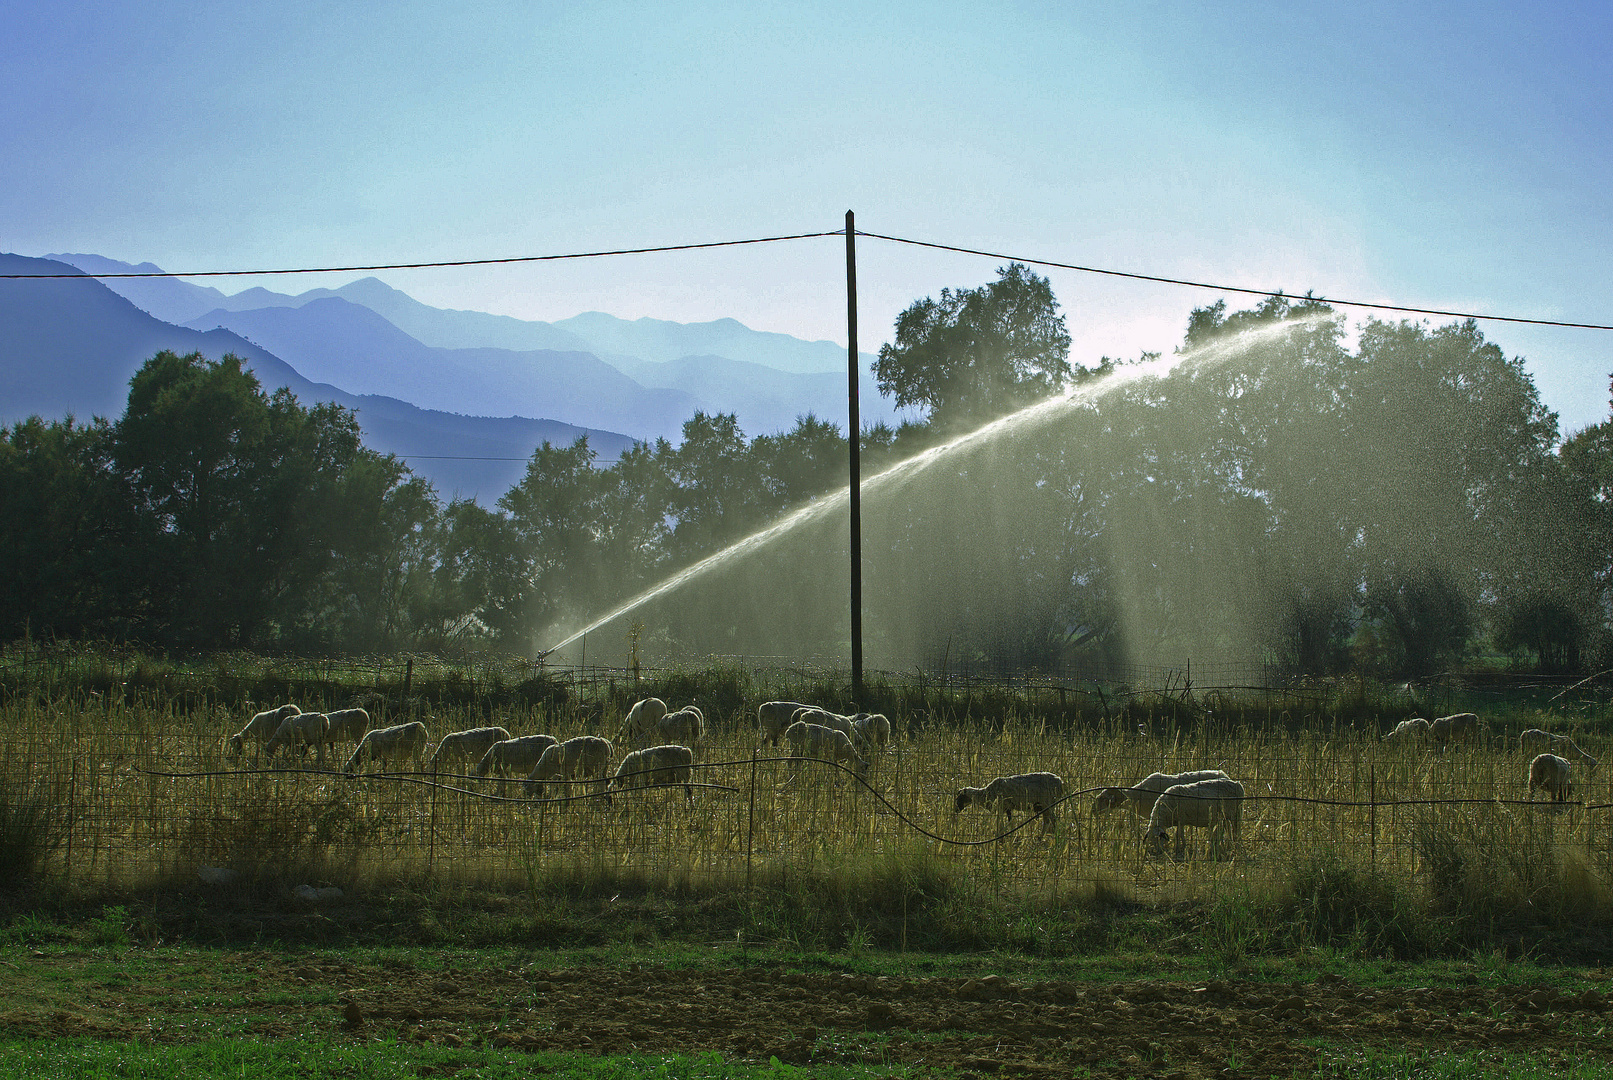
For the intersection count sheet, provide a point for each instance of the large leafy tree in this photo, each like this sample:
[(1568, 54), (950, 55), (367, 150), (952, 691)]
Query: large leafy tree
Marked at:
[(976, 354), (249, 504)]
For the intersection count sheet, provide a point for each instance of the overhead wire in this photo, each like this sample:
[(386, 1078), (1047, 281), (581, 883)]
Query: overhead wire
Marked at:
[(930, 244), (1278, 293)]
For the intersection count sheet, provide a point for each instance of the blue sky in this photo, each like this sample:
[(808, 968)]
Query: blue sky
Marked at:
[(1443, 155)]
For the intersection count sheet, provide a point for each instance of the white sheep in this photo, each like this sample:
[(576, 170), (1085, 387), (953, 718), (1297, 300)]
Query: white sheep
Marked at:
[(348, 725), (838, 721), (657, 765), (1458, 727), (301, 730), (683, 727), (1141, 796), (1535, 741), (467, 746), (642, 717), (827, 743), (1552, 774), (874, 729), (518, 755), (1034, 793), (261, 728), (772, 717), (585, 755), (1215, 804), (1409, 731), (390, 744)]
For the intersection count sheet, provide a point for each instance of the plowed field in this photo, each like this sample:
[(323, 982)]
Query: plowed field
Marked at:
[(985, 1025)]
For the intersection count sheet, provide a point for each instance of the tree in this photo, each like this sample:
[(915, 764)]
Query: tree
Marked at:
[(977, 354)]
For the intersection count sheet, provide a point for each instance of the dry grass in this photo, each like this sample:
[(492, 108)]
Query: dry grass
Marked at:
[(121, 824)]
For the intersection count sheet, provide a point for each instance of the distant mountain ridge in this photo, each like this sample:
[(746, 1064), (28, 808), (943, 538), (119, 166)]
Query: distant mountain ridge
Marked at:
[(369, 337), (69, 346), (606, 336)]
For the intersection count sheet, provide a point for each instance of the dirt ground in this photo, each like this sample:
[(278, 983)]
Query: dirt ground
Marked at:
[(985, 1026)]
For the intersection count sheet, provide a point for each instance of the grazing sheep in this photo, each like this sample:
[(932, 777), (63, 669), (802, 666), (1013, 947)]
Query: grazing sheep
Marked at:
[(390, 744), (301, 731), (467, 746), (656, 765), (772, 717), (642, 717), (1034, 793), (515, 755), (1535, 741), (586, 754), (1141, 796), (261, 728), (838, 721), (1205, 804), (1458, 727), (348, 725), (1552, 774), (874, 729), (684, 727), (1408, 731), (827, 743)]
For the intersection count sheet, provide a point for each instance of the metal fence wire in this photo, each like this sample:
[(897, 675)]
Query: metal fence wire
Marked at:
[(166, 797)]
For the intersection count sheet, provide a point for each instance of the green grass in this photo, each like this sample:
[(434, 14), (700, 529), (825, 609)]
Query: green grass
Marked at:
[(1375, 1064), (306, 1058)]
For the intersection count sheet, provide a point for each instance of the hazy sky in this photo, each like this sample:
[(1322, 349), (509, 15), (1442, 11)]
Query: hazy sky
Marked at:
[(1446, 155)]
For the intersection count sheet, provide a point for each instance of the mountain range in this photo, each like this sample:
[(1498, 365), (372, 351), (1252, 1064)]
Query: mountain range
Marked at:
[(432, 385)]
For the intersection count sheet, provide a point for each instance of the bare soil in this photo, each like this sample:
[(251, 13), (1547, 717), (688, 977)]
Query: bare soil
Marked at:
[(986, 1025)]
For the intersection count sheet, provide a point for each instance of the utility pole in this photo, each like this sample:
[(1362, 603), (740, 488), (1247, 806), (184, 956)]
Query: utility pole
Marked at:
[(854, 437)]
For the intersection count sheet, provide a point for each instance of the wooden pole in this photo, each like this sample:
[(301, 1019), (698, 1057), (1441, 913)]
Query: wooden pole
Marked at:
[(854, 438), (1372, 811)]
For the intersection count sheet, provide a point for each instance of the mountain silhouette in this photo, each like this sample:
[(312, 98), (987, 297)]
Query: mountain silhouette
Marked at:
[(69, 346)]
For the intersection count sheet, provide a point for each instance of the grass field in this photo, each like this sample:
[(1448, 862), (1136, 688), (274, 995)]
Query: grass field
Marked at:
[(1363, 872)]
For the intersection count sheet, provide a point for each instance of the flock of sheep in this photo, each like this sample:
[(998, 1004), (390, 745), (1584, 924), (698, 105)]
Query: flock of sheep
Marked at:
[(666, 744), (1551, 769)]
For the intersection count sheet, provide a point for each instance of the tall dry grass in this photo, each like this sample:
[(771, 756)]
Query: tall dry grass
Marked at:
[(116, 815)]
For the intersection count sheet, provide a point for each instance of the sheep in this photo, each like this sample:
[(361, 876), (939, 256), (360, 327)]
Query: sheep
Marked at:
[(261, 728), (1553, 774), (643, 716), (1204, 804), (1408, 731), (825, 718), (1536, 741), (515, 755), (390, 744), (685, 727), (875, 730), (348, 725), (1141, 796), (1462, 727), (586, 754), (656, 765), (468, 745), (302, 730), (772, 717), (1034, 793), (830, 744)]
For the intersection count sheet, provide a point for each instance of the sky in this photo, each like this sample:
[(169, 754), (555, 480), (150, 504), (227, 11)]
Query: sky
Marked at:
[(1453, 156)]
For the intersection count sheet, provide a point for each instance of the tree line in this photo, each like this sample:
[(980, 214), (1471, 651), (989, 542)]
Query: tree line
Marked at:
[(1395, 503)]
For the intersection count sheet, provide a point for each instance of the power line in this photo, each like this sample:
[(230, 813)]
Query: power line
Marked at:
[(1132, 275), (1235, 288), (425, 265)]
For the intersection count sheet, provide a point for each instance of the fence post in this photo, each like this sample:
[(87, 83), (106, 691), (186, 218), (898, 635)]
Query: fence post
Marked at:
[(72, 814), (1372, 811), (750, 832), (408, 681)]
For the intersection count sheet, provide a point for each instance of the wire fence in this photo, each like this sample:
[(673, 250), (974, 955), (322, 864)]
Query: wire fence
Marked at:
[(167, 799)]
